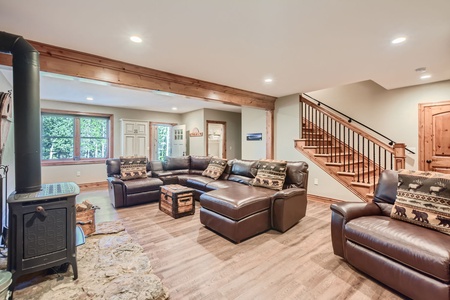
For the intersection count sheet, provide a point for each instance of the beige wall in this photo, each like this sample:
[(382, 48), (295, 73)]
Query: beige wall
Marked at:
[(287, 129), (253, 121), (195, 119), (97, 172), (393, 113), (8, 150), (233, 130)]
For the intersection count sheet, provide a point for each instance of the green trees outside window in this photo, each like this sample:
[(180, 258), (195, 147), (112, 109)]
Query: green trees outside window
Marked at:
[(74, 137), (163, 141)]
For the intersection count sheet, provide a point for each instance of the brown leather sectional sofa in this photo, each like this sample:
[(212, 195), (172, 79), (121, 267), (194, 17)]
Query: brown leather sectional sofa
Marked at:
[(411, 259), (230, 205)]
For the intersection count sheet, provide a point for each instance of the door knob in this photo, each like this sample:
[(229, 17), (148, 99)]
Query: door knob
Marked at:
[(429, 161)]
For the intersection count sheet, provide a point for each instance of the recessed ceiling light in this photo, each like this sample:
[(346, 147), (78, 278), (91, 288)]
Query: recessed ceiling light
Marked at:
[(268, 80), (89, 98), (398, 40), (425, 76), (135, 39), (174, 108)]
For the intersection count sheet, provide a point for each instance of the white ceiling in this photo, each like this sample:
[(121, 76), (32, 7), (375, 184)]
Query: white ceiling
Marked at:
[(304, 45)]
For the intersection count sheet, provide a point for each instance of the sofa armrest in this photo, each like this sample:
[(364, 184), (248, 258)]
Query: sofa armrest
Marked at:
[(117, 191), (353, 210), (288, 193), (343, 213), (288, 207), (114, 180)]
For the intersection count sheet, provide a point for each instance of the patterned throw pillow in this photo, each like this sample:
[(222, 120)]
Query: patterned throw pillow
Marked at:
[(423, 198), (271, 174), (132, 167), (215, 168)]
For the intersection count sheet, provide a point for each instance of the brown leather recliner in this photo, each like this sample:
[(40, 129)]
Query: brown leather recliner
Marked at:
[(130, 192), (411, 259)]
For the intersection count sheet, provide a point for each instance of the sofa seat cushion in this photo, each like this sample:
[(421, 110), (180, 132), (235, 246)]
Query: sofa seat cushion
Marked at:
[(142, 185), (223, 184), (197, 182), (419, 248), (237, 203)]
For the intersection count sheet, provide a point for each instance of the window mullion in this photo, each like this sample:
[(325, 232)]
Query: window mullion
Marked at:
[(77, 139)]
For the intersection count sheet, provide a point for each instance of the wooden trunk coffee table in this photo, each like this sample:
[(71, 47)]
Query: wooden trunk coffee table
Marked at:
[(177, 200)]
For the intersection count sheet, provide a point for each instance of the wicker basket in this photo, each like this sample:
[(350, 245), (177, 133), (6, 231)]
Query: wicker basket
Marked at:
[(86, 219)]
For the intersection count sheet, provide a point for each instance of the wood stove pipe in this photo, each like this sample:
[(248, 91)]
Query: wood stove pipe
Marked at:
[(27, 111)]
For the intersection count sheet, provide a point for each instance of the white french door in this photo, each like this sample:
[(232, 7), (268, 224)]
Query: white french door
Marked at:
[(179, 140)]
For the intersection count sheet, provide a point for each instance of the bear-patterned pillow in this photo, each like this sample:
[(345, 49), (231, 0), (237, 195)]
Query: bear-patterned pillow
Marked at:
[(271, 174), (423, 199), (215, 168), (133, 167)]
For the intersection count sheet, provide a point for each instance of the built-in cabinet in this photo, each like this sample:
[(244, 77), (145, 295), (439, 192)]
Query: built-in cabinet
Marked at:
[(134, 138)]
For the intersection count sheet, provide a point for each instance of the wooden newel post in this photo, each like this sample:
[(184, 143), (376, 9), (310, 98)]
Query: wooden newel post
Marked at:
[(399, 155)]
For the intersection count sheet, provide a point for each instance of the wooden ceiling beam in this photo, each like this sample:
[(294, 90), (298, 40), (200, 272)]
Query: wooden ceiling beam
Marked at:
[(58, 60)]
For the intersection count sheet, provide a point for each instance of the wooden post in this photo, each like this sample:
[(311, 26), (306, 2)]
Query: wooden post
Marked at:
[(269, 134), (399, 156)]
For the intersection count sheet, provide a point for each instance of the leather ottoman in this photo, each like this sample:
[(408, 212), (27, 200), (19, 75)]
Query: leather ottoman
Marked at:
[(237, 214)]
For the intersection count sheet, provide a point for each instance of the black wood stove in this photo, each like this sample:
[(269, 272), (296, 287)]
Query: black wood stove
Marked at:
[(42, 229)]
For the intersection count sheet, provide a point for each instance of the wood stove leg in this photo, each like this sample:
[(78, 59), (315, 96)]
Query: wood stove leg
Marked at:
[(75, 269)]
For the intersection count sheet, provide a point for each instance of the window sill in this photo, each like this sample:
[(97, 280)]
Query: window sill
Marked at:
[(72, 162)]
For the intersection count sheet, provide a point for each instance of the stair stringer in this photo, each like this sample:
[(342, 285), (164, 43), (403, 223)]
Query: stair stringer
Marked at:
[(364, 197)]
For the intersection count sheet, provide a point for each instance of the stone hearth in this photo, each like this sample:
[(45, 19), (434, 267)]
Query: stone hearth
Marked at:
[(110, 266)]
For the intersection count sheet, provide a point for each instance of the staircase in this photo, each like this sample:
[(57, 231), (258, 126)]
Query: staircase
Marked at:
[(342, 147)]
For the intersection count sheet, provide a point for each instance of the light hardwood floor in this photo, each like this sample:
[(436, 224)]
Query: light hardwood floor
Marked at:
[(196, 263)]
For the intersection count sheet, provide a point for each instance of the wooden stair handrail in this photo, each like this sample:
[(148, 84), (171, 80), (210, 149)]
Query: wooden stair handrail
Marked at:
[(399, 148)]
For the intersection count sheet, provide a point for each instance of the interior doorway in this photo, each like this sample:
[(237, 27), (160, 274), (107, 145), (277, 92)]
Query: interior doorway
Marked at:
[(217, 137), (167, 140)]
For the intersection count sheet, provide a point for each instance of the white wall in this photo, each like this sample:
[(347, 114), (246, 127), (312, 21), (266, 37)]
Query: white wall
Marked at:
[(233, 130), (287, 129), (97, 172), (253, 121)]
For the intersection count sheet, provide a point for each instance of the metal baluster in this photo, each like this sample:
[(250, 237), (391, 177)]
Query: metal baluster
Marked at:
[(323, 134), (385, 157), (374, 164), (340, 152), (328, 133), (345, 154), (358, 169), (368, 161), (353, 151)]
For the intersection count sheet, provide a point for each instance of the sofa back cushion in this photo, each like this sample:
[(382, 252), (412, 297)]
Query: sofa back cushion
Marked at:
[(177, 163), (226, 173), (156, 165), (423, 198), (296, 175), (199, 164), (386, 191), (243, 171), (133, 167), (113, 167), (215, 168), (271, 174)]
